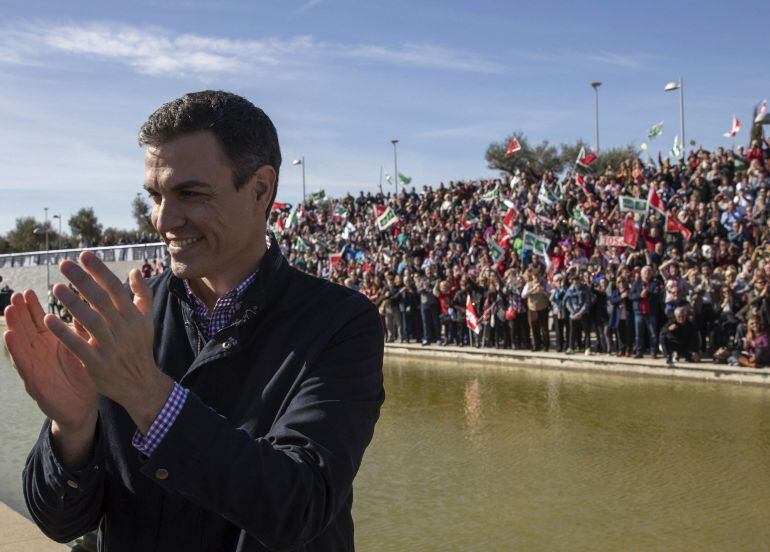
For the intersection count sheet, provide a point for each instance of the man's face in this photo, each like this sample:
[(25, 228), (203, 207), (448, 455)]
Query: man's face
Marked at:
[(212, 230)]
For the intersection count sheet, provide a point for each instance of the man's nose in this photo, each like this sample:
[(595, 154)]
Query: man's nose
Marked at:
[(167, 216)]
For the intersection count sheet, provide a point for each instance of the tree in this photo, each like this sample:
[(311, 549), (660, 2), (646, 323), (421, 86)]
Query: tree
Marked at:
[(5, 247), (613, 157), (29, 235), (531, 160), (116, 236), (141, 211), (85, 226)]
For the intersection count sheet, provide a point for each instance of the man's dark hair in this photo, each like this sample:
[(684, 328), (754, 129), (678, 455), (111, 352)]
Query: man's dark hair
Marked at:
[(246, 134)]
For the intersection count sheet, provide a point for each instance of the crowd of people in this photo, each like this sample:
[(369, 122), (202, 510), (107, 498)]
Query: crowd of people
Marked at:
[(666, 259)]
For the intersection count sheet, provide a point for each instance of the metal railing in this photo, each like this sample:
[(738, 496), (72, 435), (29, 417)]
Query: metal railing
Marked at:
[(112, 253)]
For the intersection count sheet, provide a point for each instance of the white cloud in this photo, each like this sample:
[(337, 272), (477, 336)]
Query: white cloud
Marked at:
[(159, 51), (307, 5)]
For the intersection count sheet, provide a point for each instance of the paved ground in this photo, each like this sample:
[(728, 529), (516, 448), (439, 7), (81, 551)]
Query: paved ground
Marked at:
[(17, 534)]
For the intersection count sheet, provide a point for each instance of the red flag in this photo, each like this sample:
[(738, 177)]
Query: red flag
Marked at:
[(584, 158), (531, 215), (673, 226), (334, 259), (513, 147), (278, 206), (735, 128), (654, 201), (471, 319), (631, 232), (467, 224), (279, 224), (582, 183), (510, 220)]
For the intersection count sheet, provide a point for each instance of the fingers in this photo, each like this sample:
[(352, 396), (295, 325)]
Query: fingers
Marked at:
[(88, 317), (142, 292), (107, 281), (35, 309), (71, 340), (18, 317)]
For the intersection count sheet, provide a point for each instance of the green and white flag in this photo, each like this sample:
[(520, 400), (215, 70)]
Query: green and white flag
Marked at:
[(632, 205), (676, 149), (300, 246), (349, 229), (495, 251), (340, 211), (386, 217), (404, 179), (492, 195), (389, 179), (538, 244), (546, 196), (581, 219), (655, 131), (318, 196), (293, 219)]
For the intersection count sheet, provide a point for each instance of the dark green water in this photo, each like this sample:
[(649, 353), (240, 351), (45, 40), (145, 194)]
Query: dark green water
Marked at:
[(471, 458)]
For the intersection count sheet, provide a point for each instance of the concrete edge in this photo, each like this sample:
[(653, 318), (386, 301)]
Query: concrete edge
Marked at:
[(518, 360)]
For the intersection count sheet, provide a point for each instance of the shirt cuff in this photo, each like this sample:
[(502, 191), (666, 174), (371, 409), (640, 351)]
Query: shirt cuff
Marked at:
[(147, 444)]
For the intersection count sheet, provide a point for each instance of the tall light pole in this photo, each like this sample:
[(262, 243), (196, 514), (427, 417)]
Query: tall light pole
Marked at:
[(301, 162), (596, 86), (670, 87), (58, 217), (395, 163)]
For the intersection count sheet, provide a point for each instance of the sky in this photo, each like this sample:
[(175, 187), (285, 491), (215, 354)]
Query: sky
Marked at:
[(341, 78)]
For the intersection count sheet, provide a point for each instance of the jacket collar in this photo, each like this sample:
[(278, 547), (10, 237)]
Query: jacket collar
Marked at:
[(269, 279)]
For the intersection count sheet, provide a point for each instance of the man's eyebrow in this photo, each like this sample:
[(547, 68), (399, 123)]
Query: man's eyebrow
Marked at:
[(182, 186)]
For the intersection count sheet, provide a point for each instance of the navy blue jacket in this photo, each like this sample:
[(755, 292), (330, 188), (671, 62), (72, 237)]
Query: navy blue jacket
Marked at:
[(654, 295), (282, 404)]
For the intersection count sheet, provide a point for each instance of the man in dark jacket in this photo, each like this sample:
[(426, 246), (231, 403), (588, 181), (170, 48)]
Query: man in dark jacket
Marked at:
[(646, 297), (226, 406)]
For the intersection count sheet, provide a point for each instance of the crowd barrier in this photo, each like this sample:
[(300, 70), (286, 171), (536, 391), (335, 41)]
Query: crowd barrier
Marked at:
[(133, 252)]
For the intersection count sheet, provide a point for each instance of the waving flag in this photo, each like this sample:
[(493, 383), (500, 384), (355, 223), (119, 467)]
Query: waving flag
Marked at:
[(404, 179), (495, 251), (510, 220), (467, 223), (388, 179), (471, 319), (655, 202), (673, 226), (734, 130), (492, 195), (581, 219), (544, 195), (655, 131), (386, 217), (676, 149), (631, 232), (584, 159), (513, 147), (582, 183), (761, 114)]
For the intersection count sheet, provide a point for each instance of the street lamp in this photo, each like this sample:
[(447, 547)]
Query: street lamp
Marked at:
[(58, 217), (596, 86), (670, 87), (39, 231), (301, 162), (395, 163)]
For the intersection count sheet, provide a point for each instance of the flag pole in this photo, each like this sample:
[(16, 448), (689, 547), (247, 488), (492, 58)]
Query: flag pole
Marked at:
[(395, 163), (381, 180), (681, 115)]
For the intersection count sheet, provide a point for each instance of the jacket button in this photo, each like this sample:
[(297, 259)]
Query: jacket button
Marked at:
[(72, 484), (161, 474), (226, 345)]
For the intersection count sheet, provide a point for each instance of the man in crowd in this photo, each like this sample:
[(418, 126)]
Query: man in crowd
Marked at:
[(227, 405)]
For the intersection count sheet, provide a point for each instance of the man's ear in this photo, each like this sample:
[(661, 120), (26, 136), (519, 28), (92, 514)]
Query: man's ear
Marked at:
[(262, 188)]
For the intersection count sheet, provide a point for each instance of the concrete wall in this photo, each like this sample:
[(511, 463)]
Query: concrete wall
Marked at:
[(34, 277)]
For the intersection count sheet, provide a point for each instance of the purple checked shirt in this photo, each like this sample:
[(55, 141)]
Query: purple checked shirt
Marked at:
[(209, 323)]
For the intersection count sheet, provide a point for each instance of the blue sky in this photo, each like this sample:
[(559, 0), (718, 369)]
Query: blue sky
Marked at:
[(340, 78)]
